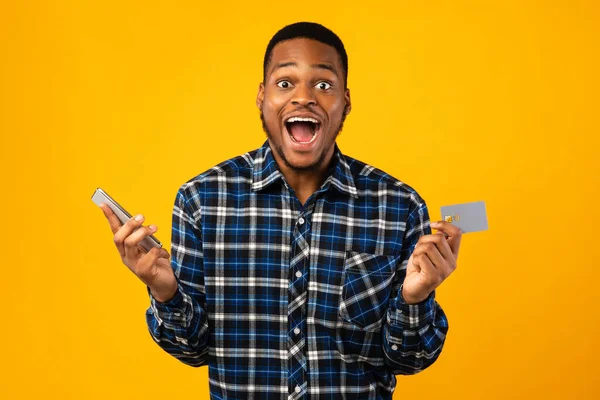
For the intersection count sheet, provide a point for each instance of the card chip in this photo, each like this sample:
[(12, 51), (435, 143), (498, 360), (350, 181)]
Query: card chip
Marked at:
[(452, 218)]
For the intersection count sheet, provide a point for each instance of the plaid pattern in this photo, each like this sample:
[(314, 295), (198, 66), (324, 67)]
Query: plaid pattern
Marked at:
[(285, 301)]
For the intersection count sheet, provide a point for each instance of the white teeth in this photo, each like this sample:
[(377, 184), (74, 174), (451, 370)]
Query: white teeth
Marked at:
[(301, 119)]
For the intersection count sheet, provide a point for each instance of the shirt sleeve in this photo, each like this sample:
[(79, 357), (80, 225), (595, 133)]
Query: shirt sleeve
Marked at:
[(413, 334), (180, 326)]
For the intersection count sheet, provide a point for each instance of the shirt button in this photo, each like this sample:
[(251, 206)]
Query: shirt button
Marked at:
[(394, 347), (298, 274), (297, 389), (301, 221), (297, 331)]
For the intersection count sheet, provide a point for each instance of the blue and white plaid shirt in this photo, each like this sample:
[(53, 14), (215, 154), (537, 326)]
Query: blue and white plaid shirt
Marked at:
[(291, 301)]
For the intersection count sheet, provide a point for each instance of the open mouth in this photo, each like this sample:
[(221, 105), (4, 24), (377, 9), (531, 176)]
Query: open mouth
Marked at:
[(303, 130)]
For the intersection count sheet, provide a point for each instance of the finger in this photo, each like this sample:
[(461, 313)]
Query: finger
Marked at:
[(446, 227), (125, 230), (447, 264), (444, 234), (432, 274), (144, 266), (441, 243), (132, 242), (449, 257), (430, 250), (454, 234), (164, 254), (112, 218)]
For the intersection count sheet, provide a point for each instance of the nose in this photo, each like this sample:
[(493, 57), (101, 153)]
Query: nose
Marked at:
[(303, 96)]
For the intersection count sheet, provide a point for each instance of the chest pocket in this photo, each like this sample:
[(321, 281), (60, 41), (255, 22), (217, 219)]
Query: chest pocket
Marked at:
[(366, 289)]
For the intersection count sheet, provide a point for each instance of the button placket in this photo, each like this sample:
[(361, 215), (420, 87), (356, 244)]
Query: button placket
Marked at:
[(298, 288)]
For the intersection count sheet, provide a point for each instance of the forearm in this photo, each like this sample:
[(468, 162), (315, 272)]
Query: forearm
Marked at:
[(413, 335), (180, 327)]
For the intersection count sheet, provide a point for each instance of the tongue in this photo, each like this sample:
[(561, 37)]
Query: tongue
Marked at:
[(302, 131)]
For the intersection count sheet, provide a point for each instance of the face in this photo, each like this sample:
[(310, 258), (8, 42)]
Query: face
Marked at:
[(303, 103)]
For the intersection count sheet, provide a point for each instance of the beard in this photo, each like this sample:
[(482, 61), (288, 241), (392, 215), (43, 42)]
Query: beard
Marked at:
[(279, 148)]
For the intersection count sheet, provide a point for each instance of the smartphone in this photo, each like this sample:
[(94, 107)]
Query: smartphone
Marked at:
[(100, 196)]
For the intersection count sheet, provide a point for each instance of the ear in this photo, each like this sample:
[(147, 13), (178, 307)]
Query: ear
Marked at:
[(260, 96), (348, 106)]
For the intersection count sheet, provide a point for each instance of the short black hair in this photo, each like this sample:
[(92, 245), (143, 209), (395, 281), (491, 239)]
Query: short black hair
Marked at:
[(307, 30)]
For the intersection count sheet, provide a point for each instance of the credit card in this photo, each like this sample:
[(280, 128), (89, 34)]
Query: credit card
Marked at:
[(469, 217)]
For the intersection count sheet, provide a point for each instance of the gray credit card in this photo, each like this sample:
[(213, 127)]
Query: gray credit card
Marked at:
[(469, 217)]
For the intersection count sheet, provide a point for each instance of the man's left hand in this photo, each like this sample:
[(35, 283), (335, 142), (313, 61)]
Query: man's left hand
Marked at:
[(432, 261)]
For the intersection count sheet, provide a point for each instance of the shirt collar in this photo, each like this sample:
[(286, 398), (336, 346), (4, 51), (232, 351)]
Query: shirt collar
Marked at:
[(266, 172)]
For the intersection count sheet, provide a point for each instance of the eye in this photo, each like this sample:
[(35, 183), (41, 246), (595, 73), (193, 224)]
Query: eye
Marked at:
[(284, 84), (324, 85)]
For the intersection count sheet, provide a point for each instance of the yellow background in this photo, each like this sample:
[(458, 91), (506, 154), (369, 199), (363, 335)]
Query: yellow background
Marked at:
[(463, 100)]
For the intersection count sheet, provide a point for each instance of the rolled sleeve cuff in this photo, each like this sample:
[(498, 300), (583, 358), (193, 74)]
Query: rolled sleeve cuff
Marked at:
[(412, 316), (177, 311)]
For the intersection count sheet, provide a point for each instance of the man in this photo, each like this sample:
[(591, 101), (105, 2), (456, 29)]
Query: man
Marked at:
[(297, 271)]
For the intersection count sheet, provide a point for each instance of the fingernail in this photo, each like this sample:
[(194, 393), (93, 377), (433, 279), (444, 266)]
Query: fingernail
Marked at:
[(152, 227), (433, 223), (139, 217)]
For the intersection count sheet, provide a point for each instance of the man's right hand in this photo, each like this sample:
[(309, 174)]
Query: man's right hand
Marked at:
[(153, 267)]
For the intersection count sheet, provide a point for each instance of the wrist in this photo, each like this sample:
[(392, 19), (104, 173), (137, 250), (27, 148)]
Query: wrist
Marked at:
[(412, 299), (164, 296)]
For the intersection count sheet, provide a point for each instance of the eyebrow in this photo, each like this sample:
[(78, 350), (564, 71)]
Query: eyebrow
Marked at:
[(328, 67)]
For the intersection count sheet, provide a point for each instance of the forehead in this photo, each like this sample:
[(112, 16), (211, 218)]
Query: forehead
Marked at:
[(305, 51)]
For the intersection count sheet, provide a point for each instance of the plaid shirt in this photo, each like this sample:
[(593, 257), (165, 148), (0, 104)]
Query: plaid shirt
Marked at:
[(291, 301)]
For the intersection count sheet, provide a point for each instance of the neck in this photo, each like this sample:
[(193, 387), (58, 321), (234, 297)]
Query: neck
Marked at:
[(305, 182)]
